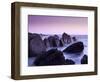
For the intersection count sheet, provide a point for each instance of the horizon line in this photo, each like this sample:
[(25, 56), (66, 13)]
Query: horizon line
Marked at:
[(58, 34)]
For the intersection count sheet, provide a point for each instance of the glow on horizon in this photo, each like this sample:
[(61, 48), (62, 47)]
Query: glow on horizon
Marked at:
[(57, 25)]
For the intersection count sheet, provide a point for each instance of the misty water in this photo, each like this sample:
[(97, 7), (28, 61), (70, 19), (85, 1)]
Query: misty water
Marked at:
[(75, 57)]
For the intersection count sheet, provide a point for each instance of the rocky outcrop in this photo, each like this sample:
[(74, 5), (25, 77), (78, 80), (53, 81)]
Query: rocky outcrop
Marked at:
[(66, 38), (69, 62), (43, 48), (46, 42), (51, 41), (74, 48), (84, 59), (51, 57), (54, 41), (36, 45), (57, 41)]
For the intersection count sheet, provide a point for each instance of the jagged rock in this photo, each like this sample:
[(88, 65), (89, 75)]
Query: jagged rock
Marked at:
[(36, 46), (75, 48), (84, 59), (66, 38), (51, 57), (69, 62)]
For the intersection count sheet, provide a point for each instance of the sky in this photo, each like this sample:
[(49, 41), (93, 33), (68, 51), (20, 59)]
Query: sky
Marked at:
[(57, 24)]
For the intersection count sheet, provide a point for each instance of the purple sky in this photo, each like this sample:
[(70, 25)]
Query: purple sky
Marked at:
[(57, 24)]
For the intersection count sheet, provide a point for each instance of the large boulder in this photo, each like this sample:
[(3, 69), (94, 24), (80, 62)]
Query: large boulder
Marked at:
[(75, 48), (51, 57), (69, 62), (36, 46), (66, 38), (84, 59)]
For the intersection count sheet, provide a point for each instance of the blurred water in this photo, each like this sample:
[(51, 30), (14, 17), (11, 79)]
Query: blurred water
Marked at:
[(75, 57)]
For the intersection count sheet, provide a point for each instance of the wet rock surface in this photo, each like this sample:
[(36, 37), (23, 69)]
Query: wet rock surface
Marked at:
[(74, 48)]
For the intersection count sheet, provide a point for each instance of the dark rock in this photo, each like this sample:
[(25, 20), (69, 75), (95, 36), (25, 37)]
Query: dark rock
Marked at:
[(69, 62), (29, 39), (61, 43), (30, 36), (54, 41), (51, 57), (74, 39), (51, 41), (36, 46), (46, 42), (74, 48), (84, 59), (56, 36), (57, 41), (66, 38)]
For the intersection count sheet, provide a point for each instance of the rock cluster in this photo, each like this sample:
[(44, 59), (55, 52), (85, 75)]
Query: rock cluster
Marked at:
[(55, 41), (52, 57), (37, 47)]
